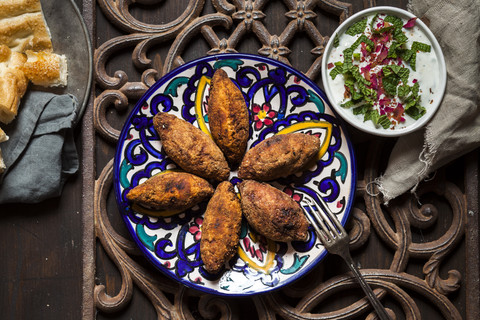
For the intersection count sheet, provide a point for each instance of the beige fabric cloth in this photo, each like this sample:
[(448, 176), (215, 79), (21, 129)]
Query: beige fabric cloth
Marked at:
[(455, 129)]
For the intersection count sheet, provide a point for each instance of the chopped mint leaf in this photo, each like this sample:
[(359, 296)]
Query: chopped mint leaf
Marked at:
[(339, 69), (357, 95), (394, 68), (347, 104), (393, 50), (396, 21), (347, 57), (384, 121), (415, 89), (400, 71), (419, 46), (399, 36), (417, 112), (362, 38), (357, 28), (369, 94), (387, 71), (374, 19), (377, 119), (349, 80), (371, 115), (335, 72), (357, 76), (390, 83), (350, 84), (413, 61), (336, 41), (407, 55), (361, 109), (411, 102), (404, 90)]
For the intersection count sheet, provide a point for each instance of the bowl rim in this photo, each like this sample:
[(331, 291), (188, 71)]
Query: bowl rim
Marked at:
[(347, 114)]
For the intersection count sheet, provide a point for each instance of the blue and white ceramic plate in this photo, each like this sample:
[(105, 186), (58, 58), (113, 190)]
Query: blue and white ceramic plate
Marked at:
[(280, 100)]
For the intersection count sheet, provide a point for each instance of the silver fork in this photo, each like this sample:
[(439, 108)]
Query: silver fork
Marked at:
[(335, 239)]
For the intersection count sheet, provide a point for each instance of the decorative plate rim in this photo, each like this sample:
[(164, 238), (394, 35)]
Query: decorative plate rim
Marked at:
[(147, 95)]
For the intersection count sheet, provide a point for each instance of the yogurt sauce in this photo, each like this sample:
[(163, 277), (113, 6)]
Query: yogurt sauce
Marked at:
[(427, 72)]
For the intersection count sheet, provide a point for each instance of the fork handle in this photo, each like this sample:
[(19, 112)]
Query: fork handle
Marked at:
[(379, 308)]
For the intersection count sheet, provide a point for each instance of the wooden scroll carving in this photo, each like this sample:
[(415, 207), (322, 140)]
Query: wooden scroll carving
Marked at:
[(391, 226)]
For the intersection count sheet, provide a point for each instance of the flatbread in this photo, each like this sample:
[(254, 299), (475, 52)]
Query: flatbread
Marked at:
[(13, 83), (26, 54)]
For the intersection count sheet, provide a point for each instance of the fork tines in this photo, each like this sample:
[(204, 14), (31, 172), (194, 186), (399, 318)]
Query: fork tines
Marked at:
[(325, 223)]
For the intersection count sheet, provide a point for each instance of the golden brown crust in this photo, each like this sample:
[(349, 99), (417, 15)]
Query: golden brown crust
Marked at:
[(171, 191), (3, 136), (272, 212), (13, 8), (32, 27), (279, 156), (190, 148), (13, 85), (45, 68), (228, 117), (4, 53), (221, 228)]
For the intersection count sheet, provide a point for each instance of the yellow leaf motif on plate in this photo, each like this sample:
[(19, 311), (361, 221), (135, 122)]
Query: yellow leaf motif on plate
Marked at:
[(203, 84), (266, 266)]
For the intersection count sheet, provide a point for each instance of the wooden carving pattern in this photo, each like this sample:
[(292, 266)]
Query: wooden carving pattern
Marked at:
[(392, 225)]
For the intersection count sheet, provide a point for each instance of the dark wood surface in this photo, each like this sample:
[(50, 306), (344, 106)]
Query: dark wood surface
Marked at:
[(42, 256)]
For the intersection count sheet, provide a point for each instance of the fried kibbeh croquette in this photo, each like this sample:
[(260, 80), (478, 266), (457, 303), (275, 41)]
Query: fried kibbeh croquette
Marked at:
[(221, 228), (191, 148), (171, 191), (228, 117), (279, 156), (272, 213)]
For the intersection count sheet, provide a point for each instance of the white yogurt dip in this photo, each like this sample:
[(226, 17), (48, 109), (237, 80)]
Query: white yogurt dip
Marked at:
[(372, 62)]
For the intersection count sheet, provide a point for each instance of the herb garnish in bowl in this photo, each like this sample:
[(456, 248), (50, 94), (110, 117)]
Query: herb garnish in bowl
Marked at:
[(383, 70)]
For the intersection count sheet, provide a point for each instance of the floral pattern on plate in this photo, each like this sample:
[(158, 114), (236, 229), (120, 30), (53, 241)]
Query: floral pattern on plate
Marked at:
[(280, 100)]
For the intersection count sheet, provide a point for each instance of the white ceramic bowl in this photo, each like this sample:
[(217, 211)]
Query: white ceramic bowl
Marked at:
[(335, 94)]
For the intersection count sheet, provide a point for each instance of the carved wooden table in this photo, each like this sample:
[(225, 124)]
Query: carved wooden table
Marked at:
[(421, 258)]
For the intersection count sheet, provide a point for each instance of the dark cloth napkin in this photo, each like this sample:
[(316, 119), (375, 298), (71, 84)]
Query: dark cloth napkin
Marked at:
[(41, 153), (455, 128)]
